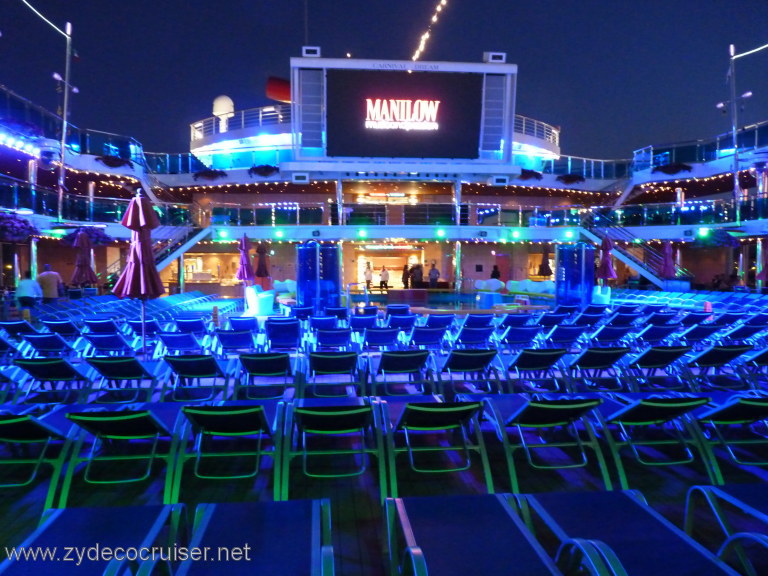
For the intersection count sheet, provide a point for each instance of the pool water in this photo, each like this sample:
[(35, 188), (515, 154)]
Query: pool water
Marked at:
[(444, 300)]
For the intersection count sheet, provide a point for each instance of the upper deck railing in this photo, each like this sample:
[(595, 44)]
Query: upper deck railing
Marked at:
[(241, 120), (537, 129), (749, 138), (25, 118), (16, 195)]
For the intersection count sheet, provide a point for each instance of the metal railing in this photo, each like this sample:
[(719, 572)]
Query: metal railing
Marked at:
[(696, 151), (263, 214), (603, 225), (19, 195), (16, 195), (241, 120), (537, 129)]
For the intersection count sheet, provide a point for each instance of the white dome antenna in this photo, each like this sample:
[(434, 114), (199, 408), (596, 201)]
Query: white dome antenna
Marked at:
[(223, 109)]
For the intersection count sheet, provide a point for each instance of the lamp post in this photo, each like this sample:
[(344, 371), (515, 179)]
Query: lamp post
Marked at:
[(64, 114), (732, 106), (734, 109), (67, 33)]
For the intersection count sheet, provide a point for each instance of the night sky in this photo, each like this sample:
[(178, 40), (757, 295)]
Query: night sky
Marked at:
[(615, 75)]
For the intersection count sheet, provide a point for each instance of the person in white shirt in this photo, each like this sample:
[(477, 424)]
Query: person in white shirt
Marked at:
[(28, 292), (368, 275), (384, 278)]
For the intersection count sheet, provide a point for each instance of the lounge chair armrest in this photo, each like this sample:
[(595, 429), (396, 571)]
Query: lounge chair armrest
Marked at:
[(149, 567), (734, 545), (415, 557), (327, 567), (580, 556)]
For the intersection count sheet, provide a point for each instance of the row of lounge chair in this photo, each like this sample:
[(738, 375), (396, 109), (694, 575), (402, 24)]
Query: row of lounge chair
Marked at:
[(424, 434), (126, 378), (109, 305)]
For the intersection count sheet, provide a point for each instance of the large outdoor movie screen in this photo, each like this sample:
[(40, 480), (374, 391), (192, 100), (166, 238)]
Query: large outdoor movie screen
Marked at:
[(397, 114)]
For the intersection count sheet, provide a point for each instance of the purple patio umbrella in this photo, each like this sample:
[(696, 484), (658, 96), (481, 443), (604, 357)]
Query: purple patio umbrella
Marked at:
[(83, 273), (605, 269), (140, 278), (668, 268), (244, 269)]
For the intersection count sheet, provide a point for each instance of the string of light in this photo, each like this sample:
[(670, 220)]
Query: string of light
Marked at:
[(432, 22)]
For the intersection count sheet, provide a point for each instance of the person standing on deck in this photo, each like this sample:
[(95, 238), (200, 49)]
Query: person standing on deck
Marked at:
[(384, 278), (417, 276), (434, 274), (51, 283), (368, 275), (406, 276), (28, 292)]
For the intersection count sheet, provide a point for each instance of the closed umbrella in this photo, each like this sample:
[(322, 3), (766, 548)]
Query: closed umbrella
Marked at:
[(262, 270), (544, 267), (605, 269), (140, 278), (668, 268), (244, 269), (83, 273)]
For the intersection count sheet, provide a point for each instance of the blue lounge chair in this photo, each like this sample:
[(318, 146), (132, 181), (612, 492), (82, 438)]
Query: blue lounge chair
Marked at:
[(263, 538), (644, 542)]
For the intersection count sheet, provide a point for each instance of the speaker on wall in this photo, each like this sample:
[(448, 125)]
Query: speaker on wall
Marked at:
[(495, 57), (498, 180)]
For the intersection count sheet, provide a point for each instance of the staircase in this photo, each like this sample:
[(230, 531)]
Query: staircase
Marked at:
[(167, 252), (595, 227)]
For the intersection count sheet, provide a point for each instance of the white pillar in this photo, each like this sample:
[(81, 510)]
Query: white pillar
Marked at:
[(743, 263), (340, 203), (91, 195), (457, 200), (457, 268)]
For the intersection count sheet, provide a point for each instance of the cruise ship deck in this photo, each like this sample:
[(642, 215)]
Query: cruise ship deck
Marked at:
[(621, 346)]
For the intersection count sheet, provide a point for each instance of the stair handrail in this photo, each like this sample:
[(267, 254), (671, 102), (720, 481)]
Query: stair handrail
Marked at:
[(602, 225)]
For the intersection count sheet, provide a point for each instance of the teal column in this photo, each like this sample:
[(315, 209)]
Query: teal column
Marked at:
[(181, 274), (16, 267), (33, 256)]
